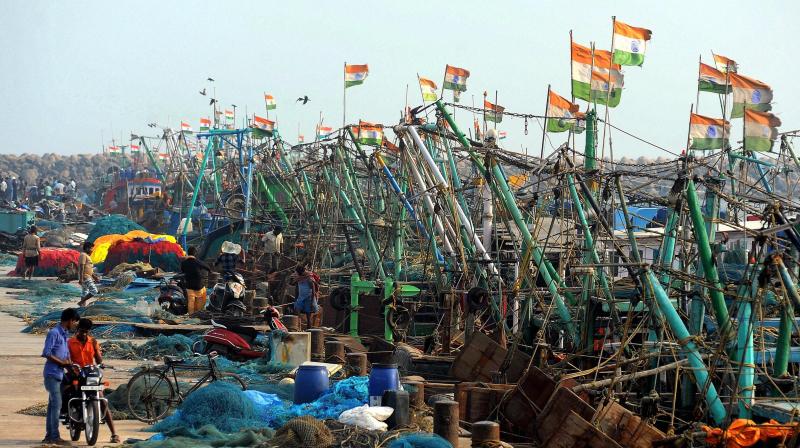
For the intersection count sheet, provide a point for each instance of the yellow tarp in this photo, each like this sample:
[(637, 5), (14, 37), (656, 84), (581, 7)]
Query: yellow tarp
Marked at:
[(104, 243)]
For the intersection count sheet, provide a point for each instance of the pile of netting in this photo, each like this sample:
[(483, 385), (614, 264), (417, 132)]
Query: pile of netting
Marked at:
[(105, 242), (8, 259), (156, 348), (37, 297), (52, 261), (344, 395), (110, 225), (162, 254)]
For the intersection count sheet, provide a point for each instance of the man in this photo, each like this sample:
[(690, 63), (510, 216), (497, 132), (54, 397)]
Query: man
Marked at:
[(273, 246), (192, 268), (73, 187), (228, 260), (31, 246), (307, 292), (84, 350), (3, 187), (48, 190), (59, 187), (56, 352), (86, 276)]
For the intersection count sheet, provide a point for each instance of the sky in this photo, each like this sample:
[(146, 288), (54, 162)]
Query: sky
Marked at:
[(77, 74)]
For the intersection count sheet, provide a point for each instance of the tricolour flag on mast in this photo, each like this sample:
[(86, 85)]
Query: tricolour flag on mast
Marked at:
[(324, 131), (301, 139), (562, 115), (134, 149), (270, 101), (589, 79), (369, 133), (492, 112), (263, 124), (725, 65), (428, 88), (749, 93), (760, 130), (355, 74), (712, 80), (455, 78), (185, 127), (708, 133), (114, 149), (229, 115), (630, 43), (205, 124)]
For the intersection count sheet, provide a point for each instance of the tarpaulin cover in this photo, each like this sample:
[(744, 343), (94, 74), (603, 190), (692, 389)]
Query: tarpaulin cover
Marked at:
[(104, 243), (162, 254), (112, 224), (51, 262)]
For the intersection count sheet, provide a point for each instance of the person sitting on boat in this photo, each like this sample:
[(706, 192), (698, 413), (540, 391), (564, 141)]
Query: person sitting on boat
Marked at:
[(84, 350), (229, 260), (86, 275), (307, 283)]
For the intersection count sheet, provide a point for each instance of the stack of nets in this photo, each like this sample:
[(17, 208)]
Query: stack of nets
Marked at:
[(40, 297), (52, 261), (156, 348), (112, 224), (206, 437), (8, 259), (301, 432), (102, 310), (125, 267), (164, 255)]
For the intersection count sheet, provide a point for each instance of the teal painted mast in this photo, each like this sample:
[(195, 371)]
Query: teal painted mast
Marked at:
[(783, 348)]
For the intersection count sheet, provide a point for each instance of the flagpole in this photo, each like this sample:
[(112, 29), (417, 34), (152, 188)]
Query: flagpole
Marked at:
[(571, 80), (689, 134), (422, 94), (405, 108), (344, 95), (266, 105), (608, 88), (725, 111), (484, 111), (699, 73), (544, 127), (495, 111)]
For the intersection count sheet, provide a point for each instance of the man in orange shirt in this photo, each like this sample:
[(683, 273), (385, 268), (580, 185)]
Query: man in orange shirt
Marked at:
[(84, 350)]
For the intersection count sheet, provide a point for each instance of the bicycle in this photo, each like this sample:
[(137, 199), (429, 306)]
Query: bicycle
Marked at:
[(155, 390)]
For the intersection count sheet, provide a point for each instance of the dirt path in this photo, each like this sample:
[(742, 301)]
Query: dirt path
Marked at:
[(21, 386)]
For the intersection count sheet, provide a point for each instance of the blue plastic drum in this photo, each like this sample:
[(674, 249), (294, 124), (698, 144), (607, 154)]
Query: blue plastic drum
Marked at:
[(310, 383), (383, 377)]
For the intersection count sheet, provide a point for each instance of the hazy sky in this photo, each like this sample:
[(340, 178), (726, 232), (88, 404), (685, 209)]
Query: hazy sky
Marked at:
[(76, 73)]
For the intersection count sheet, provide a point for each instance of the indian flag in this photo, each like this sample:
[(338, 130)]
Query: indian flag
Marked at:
[(134, 149), (114, 149), (270, 101), (369, 133), (760, 130), (205, 124), (263, 124), (324, 131), (712, 80), (355, 74), (455, 78), (162, 156), (749, 93), (708, 133), (630, 43), (228, 115), (428, 88), (724, 64), (590, 81), (562, 115), (300, 139), (492, 112), (185, 127)]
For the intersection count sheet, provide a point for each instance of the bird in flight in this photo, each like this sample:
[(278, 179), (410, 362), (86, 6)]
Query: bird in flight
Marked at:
[(304, 99), (203, 92), (211, 79)]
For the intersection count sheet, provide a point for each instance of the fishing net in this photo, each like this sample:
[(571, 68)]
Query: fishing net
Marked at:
[(206, 436), (420, 440), (156, 348), (304, 431), (40, 297), (112, 224), (344, 395), (105, 242), (8, 259), (104, 309), (161, 254), (125, 267), (52, 261), (220, 404)]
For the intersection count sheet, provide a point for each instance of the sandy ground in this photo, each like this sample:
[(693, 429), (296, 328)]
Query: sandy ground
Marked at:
[(21, 386)]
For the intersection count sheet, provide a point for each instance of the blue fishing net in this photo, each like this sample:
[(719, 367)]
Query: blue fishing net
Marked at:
[(420, 440), (111, 225), (344, 395), (156, 348), (206, 436), (8, 259)]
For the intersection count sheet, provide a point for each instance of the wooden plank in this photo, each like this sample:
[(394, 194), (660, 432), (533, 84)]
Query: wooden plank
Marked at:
[(576, 432), (627, 428), (481, 356), (561, 403)]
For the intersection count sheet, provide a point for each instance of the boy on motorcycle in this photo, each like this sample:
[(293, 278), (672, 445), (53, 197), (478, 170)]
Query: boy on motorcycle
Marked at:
[(84, 350)]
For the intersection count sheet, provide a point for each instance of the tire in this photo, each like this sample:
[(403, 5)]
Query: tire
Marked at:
[(150, 395), (231, 378), (74, 431), (92, 423)]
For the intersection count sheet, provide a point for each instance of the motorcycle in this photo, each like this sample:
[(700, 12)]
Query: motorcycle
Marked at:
[(228, 295), (172, 297), (84, 410), (234, 341)]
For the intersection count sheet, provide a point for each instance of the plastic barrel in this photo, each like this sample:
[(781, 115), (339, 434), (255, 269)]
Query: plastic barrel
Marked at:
[(310, 383), (382, 378), (397, 400)]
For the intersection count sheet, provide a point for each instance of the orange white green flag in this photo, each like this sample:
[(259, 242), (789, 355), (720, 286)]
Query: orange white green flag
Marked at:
[(263, 124), (301, 139), (205, 124), (492, 112), (269, 100), (724, 64), (355, 74), (760, 130), (562, 115), (369, 133), (428, 89), (590, 76), (114, 149), (324, 131), (186, 127), (749, 93), (455, 79), (712, 80), (708, 133), (630, 43), (134, 149)]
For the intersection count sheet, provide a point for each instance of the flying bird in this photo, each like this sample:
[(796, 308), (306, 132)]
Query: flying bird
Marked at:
[(304, 99), (203, 92), (212, 101), (211, 79)]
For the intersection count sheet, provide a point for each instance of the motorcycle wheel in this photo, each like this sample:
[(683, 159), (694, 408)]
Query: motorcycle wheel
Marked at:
[(74, 431), (92, 424)]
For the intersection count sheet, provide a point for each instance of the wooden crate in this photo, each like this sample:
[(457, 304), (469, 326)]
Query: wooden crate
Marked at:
[(481, 356), (627, 428), (558, 409), (576, 432)]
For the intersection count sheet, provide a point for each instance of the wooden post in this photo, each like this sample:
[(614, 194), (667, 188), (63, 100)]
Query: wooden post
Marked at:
[(249, 295), (483, 432), (291, 322), (334, 352), (317, 344), (416, 393), (357, 363), (445, 420)]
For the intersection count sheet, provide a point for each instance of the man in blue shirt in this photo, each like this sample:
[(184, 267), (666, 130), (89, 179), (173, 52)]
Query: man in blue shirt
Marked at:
[(56, 351)]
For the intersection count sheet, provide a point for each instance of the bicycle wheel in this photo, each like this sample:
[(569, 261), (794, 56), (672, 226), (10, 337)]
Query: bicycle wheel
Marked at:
[(231, 378), (150, 395)]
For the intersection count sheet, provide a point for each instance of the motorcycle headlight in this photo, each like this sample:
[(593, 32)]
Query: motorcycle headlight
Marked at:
[(93, 381)]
